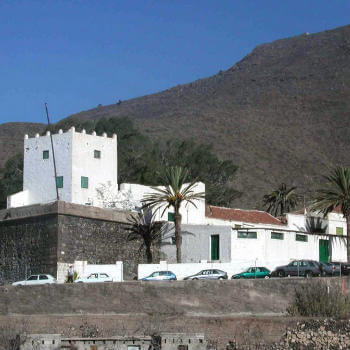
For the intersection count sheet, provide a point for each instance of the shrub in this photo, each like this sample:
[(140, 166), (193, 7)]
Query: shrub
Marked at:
[(321, 300)]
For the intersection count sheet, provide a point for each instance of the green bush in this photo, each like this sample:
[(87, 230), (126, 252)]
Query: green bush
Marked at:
[(316, 298)]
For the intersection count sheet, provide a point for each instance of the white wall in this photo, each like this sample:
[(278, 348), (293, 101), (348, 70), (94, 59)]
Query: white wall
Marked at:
[(274, 252), (333, 220), (38, 173), (196, 243), (190, 214), (99, 171), (84, 270), (336, 220), (18, 199)]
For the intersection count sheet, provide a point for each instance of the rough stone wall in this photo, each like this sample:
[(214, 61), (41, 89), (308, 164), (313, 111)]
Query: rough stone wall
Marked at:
[(28, 246), (98, 242), (34, 239)]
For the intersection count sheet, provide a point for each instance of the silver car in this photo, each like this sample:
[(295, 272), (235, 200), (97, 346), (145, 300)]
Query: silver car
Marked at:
[(210, 274), (36, 279)]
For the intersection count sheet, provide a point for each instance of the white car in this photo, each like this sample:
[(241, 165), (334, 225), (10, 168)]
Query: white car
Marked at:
[(95, 278), (36, 279)]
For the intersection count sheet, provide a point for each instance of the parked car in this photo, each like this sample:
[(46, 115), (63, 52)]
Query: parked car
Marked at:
[(36, 279), (211, 274), (160, 276), (306, 268), (344, 267), (253, 272), (329, 269), (95, 278)]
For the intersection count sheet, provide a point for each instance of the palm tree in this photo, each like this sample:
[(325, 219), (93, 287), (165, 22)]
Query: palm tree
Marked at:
[(281, 201), (173, 194), (336, 193), (142, 225)]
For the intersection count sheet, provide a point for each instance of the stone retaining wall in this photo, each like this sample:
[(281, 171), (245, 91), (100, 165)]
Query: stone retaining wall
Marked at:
[(36, 238)]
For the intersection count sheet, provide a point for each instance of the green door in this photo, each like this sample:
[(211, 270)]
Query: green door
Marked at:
[(324, 250), (214, 243)]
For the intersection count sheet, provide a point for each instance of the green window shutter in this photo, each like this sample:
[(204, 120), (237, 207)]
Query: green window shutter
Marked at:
[(276, 235), (46, 154), (246, 234), (171, 217), (84, 182), (215, 247), (97, 154), (301, 238), (59, 181), (339, 231)]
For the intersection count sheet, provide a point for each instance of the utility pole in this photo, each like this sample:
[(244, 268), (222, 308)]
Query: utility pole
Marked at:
[(53, 152)]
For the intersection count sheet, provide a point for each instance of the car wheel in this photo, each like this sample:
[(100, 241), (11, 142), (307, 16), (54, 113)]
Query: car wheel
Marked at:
[(267, 277), (172, 279), (308, 274), (195, 279), (221, 278), (280, 273)]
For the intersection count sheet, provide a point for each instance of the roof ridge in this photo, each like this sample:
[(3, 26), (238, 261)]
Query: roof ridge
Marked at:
[(255, 210)]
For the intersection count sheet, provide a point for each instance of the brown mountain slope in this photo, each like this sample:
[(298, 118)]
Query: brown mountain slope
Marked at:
[(11, 138), (281, 114)]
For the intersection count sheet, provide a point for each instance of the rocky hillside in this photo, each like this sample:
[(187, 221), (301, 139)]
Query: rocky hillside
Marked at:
[(11, 138), (282, 113)]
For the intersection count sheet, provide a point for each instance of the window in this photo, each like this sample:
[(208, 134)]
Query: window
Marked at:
[(33, 278), (182, 347), (59, 181), (97, 154), (173, 240), (276, 235), (301, 238), (339, 231), (215, 248), (171, 216), (46, 154), (246, 234), (84, 182), (43, 277), (133, 347)]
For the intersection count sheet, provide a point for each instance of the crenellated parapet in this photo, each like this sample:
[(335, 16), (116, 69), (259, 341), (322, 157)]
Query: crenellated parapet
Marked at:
[(71, 130)]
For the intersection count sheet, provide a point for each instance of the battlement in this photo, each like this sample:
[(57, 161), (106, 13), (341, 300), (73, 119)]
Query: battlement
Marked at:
[(71, 131)]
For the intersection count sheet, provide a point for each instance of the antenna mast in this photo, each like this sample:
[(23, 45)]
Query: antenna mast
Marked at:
[(53, 152)]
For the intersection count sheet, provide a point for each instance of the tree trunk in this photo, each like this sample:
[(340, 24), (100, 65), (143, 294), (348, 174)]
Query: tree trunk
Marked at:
[(149, 254), (178, 235), (348, 237)]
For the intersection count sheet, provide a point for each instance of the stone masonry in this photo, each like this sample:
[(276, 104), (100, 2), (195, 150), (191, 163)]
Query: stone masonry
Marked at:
[(34, 239)]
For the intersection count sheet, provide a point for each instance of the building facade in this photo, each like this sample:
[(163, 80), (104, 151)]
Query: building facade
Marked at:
[(83, 163)]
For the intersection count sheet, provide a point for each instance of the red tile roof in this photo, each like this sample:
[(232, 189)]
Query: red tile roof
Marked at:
[(230, 214)]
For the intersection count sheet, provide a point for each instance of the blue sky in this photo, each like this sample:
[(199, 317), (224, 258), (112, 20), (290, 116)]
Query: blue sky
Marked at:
[(76, 54)]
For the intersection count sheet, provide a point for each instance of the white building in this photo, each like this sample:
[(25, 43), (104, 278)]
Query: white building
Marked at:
[(238, 239), (86, 168), (331, 246), (83, 163)]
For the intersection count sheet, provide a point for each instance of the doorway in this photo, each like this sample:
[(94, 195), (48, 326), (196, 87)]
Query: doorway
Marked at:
[(324, 250)]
